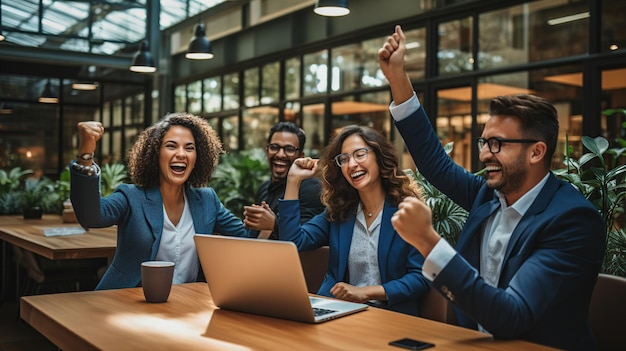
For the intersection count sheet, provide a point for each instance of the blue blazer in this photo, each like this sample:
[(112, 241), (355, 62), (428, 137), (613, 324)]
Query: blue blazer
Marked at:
[(400, 264), (551, 263), (138, 214)]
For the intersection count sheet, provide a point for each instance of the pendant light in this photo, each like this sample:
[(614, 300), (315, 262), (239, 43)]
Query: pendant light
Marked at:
[(143, 62), (332, 8), (5, 108), (199, 46), (48, 95), (88, 83)]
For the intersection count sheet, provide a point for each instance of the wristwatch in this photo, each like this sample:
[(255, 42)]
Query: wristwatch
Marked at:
[(85, 157)]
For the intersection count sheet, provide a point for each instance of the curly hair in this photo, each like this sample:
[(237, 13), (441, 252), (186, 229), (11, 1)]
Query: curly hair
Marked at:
[(143, 157), (339, 197)]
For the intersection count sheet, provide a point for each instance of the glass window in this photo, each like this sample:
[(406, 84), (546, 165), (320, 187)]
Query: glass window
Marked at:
[(315, 73), (128, 110), (454, 122), (212, 95), (292, 78), (613, 118), (118, 112), (532, 32), (180, 98), (251, 86), (256, 125), (455, 47), (138, 109), (230, 133), (415, 58), (613, 33), (271, 78), (194, 97), (313, 125), (371, 110), (231, 91)]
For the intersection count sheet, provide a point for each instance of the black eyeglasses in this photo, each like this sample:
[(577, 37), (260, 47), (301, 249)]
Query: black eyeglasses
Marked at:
[(496, 143), (359, 156), (289, 150)]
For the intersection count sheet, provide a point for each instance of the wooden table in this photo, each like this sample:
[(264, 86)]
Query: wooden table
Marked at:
[(122, 320), (28, 235)]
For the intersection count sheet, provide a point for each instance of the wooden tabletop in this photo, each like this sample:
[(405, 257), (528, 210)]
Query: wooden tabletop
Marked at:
[(122, 320), (29, 235)]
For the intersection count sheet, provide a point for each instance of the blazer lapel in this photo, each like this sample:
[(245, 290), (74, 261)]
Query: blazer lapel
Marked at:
[(385, 239), (539, 205), (153, 213), (470, 238)]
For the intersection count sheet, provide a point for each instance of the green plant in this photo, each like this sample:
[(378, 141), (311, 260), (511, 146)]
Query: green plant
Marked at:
[(600, 178), (39, 193), (112, 175), (237, 178), (10, 183), (448, 218)]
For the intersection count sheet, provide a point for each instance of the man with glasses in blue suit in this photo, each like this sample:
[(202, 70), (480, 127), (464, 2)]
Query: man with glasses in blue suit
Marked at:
[(285, 143), (526, 262)]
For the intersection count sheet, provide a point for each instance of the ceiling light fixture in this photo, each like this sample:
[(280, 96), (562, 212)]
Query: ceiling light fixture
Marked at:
[(48, 95), (199, 46), (143, 62), (88, 82), (332, 8), (570, 18), (5, 109)]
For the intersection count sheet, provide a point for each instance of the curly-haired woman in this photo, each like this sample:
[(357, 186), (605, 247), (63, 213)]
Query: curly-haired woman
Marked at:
[(361, 188), (169, 164)]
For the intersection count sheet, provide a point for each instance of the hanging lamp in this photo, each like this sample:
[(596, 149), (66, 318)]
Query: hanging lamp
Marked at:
[(332, 8), (143, 62), (199, 46), (48, 95)]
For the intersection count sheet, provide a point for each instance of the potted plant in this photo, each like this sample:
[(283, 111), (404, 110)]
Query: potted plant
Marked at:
[(36, 197), (601, 179)]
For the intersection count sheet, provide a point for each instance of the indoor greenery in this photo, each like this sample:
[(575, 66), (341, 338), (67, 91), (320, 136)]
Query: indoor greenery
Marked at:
[(448, 218), (238, 176), (600, 177)]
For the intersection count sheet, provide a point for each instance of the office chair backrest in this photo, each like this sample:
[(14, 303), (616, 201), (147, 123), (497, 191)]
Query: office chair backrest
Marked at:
[(607, 312), (314, 264)]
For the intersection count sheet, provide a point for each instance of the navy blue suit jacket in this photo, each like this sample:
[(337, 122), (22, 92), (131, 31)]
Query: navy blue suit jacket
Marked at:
[(550, 265), (138, 214), (400, 264)]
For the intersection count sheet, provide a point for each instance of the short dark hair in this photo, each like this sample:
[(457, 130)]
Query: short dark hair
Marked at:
[(538, 118), (291, 128), (143, 157)]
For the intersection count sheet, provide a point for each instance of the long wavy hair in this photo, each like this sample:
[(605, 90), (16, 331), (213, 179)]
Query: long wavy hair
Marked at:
[(339, 197), (143, 157)]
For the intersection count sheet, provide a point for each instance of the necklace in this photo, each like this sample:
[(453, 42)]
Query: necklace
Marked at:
[(368, 213)]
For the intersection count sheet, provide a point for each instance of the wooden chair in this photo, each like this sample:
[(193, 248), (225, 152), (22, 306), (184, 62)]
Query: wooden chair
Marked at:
[(433, 306), (314, 265), (607, 310)]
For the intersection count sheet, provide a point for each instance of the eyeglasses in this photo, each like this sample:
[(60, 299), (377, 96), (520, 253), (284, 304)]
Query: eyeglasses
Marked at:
[(359, 155), (496, 143), (289, 150)]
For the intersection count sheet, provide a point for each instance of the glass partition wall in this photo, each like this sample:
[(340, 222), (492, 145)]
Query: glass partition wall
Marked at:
[(457, 62)]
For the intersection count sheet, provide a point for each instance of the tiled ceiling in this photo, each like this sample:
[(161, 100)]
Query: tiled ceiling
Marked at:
[(92, 26)]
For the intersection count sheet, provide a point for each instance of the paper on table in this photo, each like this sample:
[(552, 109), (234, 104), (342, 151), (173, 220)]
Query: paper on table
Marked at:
[(57, 231)]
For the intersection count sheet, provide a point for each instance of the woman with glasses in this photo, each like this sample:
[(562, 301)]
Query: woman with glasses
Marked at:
[(361, 188)]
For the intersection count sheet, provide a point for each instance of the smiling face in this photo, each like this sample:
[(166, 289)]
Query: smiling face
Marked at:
[(177, 156), (507, 170), (280, 162), (361, 175)]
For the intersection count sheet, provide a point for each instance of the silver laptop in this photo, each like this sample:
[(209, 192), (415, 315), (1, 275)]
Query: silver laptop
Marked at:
[(263, 277)]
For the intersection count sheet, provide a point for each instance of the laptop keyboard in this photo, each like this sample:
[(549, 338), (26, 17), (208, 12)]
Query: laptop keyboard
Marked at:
[(321, 311)]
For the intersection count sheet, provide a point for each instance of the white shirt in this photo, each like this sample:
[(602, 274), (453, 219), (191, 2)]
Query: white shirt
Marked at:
[(363, 257), (177, 246)]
